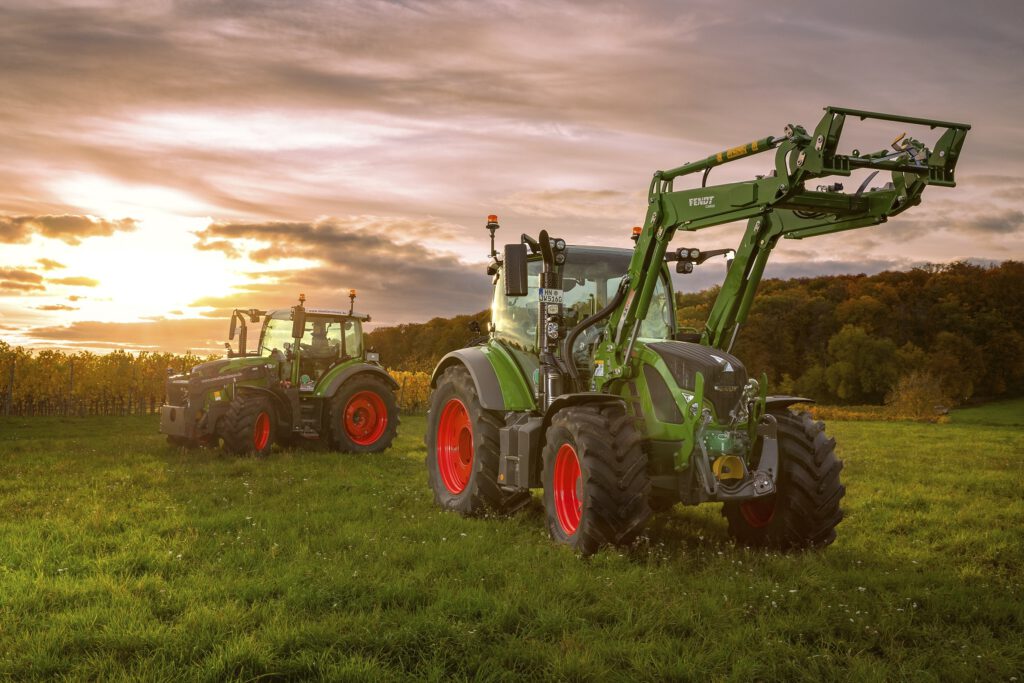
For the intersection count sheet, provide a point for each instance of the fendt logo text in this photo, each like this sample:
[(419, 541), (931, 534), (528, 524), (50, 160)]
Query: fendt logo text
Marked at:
[(708, 201)]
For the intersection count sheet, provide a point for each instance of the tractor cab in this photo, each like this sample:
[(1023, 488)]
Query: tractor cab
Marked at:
[(328, 337), (591, 277)]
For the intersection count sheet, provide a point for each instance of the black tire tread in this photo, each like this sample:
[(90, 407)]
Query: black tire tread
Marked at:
[(482, 494), (616, 485), (807, 507), (237, 425)]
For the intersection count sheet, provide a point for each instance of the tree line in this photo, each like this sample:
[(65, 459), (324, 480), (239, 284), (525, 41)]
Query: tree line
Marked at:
[(55, 381), (953, 332), (940, 333)]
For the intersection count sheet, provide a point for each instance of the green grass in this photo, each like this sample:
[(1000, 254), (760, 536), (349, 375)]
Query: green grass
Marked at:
[(123, 559), (1001, 413)]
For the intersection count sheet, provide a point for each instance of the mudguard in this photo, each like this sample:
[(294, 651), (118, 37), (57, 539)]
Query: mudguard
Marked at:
[(585, 397), (357, 368), (783, 402), (485, 378), (284, 410)]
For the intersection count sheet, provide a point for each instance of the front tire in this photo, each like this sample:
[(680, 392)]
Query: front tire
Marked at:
[(250, 425), (804, 511), (462, 450), (596, 485), (364, 415)]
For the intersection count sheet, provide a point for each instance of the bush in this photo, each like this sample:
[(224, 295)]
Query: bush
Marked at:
[(919, 396)]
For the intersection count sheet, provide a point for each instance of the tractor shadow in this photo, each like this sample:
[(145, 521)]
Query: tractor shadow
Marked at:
[(693, 533), (696, 534)]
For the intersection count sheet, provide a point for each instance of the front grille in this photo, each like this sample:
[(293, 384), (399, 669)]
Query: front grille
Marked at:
[(724, 374)]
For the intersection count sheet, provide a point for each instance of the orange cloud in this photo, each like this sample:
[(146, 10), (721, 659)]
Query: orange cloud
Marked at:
[(56, 307), (68, 228), (19, 280), (76, 281)]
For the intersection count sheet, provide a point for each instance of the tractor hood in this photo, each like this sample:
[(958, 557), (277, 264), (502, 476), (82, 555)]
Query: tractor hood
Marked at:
[(212, 367), (724, 374)]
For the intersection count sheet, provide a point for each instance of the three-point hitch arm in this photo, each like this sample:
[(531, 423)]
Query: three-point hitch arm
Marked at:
[(779, 204)]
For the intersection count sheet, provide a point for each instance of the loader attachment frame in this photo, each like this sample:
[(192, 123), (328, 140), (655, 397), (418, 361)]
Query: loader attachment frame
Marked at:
[(776, 205)]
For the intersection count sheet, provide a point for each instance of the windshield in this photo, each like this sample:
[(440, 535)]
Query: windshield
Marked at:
[(326, 338), (590, 278), (276, 334)]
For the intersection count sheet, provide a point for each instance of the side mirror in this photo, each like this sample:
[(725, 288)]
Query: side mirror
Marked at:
[(298, 322), (515, 270), (233, 327)]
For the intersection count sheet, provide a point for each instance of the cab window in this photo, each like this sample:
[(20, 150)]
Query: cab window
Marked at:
[(515, 317), (276, 334)]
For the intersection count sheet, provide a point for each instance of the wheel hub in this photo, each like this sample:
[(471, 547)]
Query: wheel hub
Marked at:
[(455, 446), (365, 418), (261, 431), (568, 489)]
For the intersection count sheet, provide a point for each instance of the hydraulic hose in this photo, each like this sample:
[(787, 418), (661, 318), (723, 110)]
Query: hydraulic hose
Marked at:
[(589, 321)]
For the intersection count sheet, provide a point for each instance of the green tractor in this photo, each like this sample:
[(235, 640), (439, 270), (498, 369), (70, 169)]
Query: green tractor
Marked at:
[(586, 387), (308, 380)]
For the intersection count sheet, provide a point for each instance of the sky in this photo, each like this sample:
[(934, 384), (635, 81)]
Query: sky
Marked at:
[(165, 162)]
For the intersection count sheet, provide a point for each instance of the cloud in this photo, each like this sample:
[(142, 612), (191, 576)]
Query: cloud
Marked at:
[(76, 281), (49, 264), (19, 280), (68, 228), (289, 239), (224, 246), (56, 307), (472, 99), (397, 282), (992, 222), (579, 203), (174, 336), (712, 273)]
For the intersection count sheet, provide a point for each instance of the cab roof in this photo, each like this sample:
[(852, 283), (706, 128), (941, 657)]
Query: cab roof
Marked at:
[(286, 314)]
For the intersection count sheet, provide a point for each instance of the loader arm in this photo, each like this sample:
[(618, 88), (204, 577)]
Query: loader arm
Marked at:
[(776, 205)]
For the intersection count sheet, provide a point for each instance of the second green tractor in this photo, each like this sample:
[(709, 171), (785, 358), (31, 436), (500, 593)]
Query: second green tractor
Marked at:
[(308, 381)]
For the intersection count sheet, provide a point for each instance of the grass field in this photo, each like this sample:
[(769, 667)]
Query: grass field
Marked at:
[(121, 558)]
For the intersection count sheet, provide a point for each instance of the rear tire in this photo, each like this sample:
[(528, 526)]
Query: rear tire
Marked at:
[(596, 485), (462, 450), (249, 426), (364, 415), (804, 511)]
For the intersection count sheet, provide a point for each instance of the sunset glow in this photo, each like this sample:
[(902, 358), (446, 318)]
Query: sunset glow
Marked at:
[(166, 163)]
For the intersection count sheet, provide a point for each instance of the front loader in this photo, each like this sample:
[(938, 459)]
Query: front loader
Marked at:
[(586, 387), (309, 380)]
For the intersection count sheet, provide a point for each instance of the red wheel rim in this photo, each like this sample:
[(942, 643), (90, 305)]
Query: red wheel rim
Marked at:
[(759, 513), (455, 446), (567, 489), (365, 418), (261, 431)]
